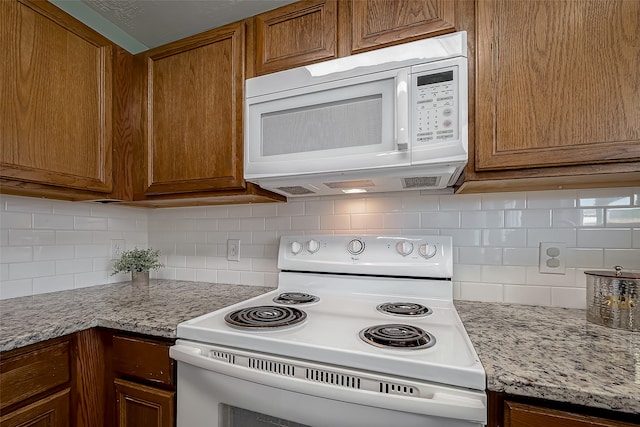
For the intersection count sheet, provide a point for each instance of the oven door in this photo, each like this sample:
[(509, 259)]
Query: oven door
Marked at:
[(223, 387), (348, 124)]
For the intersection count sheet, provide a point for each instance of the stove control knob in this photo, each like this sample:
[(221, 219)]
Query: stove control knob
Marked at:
[(404, 248), (427, 251), (296, 248), (355, 247), (313, 246)]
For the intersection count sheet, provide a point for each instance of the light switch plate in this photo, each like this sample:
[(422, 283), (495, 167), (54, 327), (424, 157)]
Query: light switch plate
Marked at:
[(117, 246), (233, 249)]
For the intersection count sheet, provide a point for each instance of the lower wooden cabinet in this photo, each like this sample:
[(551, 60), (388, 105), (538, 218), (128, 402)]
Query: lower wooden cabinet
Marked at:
[(35, 385), (507, 410), (523, 415), (50, 411), (143, 377), (139, 405)]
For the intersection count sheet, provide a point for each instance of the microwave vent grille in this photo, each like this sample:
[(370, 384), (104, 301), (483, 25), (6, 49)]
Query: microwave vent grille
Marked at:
[(420, 182), (296, 190), (357, 183)]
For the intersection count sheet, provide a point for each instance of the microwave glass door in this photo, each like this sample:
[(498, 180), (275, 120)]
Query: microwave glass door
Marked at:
[(349, 123)]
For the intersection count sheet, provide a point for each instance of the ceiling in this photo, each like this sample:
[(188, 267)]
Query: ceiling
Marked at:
[(138, 25)]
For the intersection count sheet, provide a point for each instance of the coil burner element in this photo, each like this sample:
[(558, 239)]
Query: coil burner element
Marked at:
[(265, 317), (404, 309), (295, 298), (398, 336)]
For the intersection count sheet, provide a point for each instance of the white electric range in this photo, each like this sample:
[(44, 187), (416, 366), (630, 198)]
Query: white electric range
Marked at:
[(361, 331)]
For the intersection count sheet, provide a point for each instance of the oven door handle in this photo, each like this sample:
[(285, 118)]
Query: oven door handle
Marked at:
[(439, 401)]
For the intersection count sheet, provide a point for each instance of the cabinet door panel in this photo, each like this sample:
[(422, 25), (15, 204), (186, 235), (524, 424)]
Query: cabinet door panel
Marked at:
[(55, 99), (194, 113), (379, 22), (557, 83), (142, 406), (51, 411), (295, 35)]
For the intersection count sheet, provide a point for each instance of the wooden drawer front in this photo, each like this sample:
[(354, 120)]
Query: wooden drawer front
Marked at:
[(52, 411), (146, 360), (521, 415), (31, 373)]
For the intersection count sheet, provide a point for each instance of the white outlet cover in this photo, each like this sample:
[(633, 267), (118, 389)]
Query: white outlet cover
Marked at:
[(552, 257)]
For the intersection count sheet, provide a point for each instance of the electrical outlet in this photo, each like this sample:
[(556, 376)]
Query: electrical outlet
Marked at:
[(552, 257), (233, 250), (117, 246)]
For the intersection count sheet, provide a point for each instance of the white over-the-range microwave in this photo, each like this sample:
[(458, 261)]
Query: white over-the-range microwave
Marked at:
[(387, 120)]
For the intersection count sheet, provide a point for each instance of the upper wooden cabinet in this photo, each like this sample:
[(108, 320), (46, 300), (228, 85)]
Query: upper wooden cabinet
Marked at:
[(192, 113), (557, 87), (55, 99), (191, 96), (370, 24), (297, 34)]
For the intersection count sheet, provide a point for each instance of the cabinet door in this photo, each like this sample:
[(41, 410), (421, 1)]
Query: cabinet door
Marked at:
[(520, 415), (294, 35), (142, 406), (375, 23), (557, 83), (193, 102), (51, 411), (55, 99)]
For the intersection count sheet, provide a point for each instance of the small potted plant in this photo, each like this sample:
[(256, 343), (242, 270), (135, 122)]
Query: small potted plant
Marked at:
[(138, 262)]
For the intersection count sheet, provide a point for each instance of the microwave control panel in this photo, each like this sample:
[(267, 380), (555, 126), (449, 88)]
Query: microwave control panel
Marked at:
[(435, 115)]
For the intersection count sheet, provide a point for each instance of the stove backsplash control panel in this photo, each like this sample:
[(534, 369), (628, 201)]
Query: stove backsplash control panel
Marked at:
[(419, 256)]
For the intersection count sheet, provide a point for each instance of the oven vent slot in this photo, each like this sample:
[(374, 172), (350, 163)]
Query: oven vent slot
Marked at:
[(403, 390), (272, 367), (333, 378), (224, 356)]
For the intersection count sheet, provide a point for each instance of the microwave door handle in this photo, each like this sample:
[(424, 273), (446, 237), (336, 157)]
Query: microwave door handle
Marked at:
[(402, 110)]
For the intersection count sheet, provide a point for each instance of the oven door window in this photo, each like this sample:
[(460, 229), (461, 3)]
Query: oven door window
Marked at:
[(230, 416)]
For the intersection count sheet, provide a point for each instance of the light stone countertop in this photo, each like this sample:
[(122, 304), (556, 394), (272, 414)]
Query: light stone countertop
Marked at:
[(544, 352), (554, 353), (154, 311)]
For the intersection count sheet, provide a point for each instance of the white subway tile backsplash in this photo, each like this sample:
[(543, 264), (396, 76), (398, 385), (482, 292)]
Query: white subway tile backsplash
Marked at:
[(29, 270), (496, 238), (440, 219), (465, 202), (31, 237), (90, 223), (350, 205), (335, 222), (73, 266), (535, 236), (503, 201), (401, 220), (487, 292), (531, 295), (482, 219), (59, 282), (305, 223), (64, 237), (588, 258), (628, 258), (520, 256), (569, 297), (13, 254), (604, 238), (477, 255), (16, 288), (9, 220), (605, 197), (504, 237), (503, 274)]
